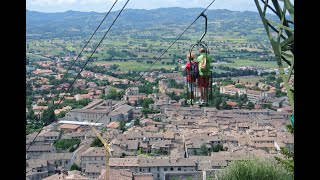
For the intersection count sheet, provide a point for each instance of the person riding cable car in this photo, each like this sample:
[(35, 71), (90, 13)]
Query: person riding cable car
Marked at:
[(204, 61), (192, 75)]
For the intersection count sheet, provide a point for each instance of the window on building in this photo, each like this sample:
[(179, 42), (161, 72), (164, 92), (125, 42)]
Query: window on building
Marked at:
[(171, 169), (158, 175), (140, 169), (165, 169), (158, 169), (149, 169), (66, 162), (179, 168)]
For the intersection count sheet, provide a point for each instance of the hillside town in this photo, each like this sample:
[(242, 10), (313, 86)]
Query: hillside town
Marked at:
[(152, 132), (158, 98)]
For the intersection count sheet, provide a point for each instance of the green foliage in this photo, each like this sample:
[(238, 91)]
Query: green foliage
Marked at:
[(279, 93), (239, 86), (204, 150), (267, 105), (139, 152), (66, 143), (137, 122), (48, 115), (240, 103), (195, 152), (61, 114), (250, 105), (270, 78), (146, 111), (96, 143), (31, 115), (290, 128), (146, 88), (253, 169), (74, 167), (72, 149), (112, 94), (75, 104), (122, 126), (174, 96), (288, 162), (84, 102), (33, 126), (123, 155), (173, 84), (146, 102), (189, 178), (217, 148)]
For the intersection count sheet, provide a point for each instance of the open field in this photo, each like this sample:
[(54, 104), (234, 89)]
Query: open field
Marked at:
[(249, 79), (133, 65), (36, 56), (247, 62)]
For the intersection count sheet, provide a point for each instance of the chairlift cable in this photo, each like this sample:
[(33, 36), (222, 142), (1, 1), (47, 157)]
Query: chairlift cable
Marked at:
[(45, 123)]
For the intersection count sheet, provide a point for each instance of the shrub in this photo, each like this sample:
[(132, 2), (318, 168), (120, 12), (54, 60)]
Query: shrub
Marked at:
[(253, 169)]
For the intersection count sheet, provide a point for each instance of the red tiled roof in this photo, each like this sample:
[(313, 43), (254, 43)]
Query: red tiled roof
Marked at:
[(69, 126), (232, 103), (113, 125)]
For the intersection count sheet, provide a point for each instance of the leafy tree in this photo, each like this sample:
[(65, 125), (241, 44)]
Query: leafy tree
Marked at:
[(146, 102), (137, 122), (250, 105), (279, 93), (72, 149), (279, 80), (123, 155), (61, 114), (195, 152), (31, 115), (253, 169), (96, 143), (217, 148), (204, 150), (122, 126), (74, 167), (84, 102), (217, 102), (240, 103), (239, 86), (270, 78), (288, 162), (66, 143), (120, 95), (112, 94), (243, 98), (48, 115), (139, 151)]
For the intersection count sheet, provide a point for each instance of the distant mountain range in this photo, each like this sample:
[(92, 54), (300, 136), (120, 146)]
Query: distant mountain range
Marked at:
[(75, 23)]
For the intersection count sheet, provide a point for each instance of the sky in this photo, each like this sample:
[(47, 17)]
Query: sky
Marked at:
[(104, 5)]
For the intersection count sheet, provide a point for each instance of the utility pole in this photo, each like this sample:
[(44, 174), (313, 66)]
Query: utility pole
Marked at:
[(281, 36)]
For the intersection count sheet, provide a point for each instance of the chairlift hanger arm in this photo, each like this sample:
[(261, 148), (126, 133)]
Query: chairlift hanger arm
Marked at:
[(206, 25)]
